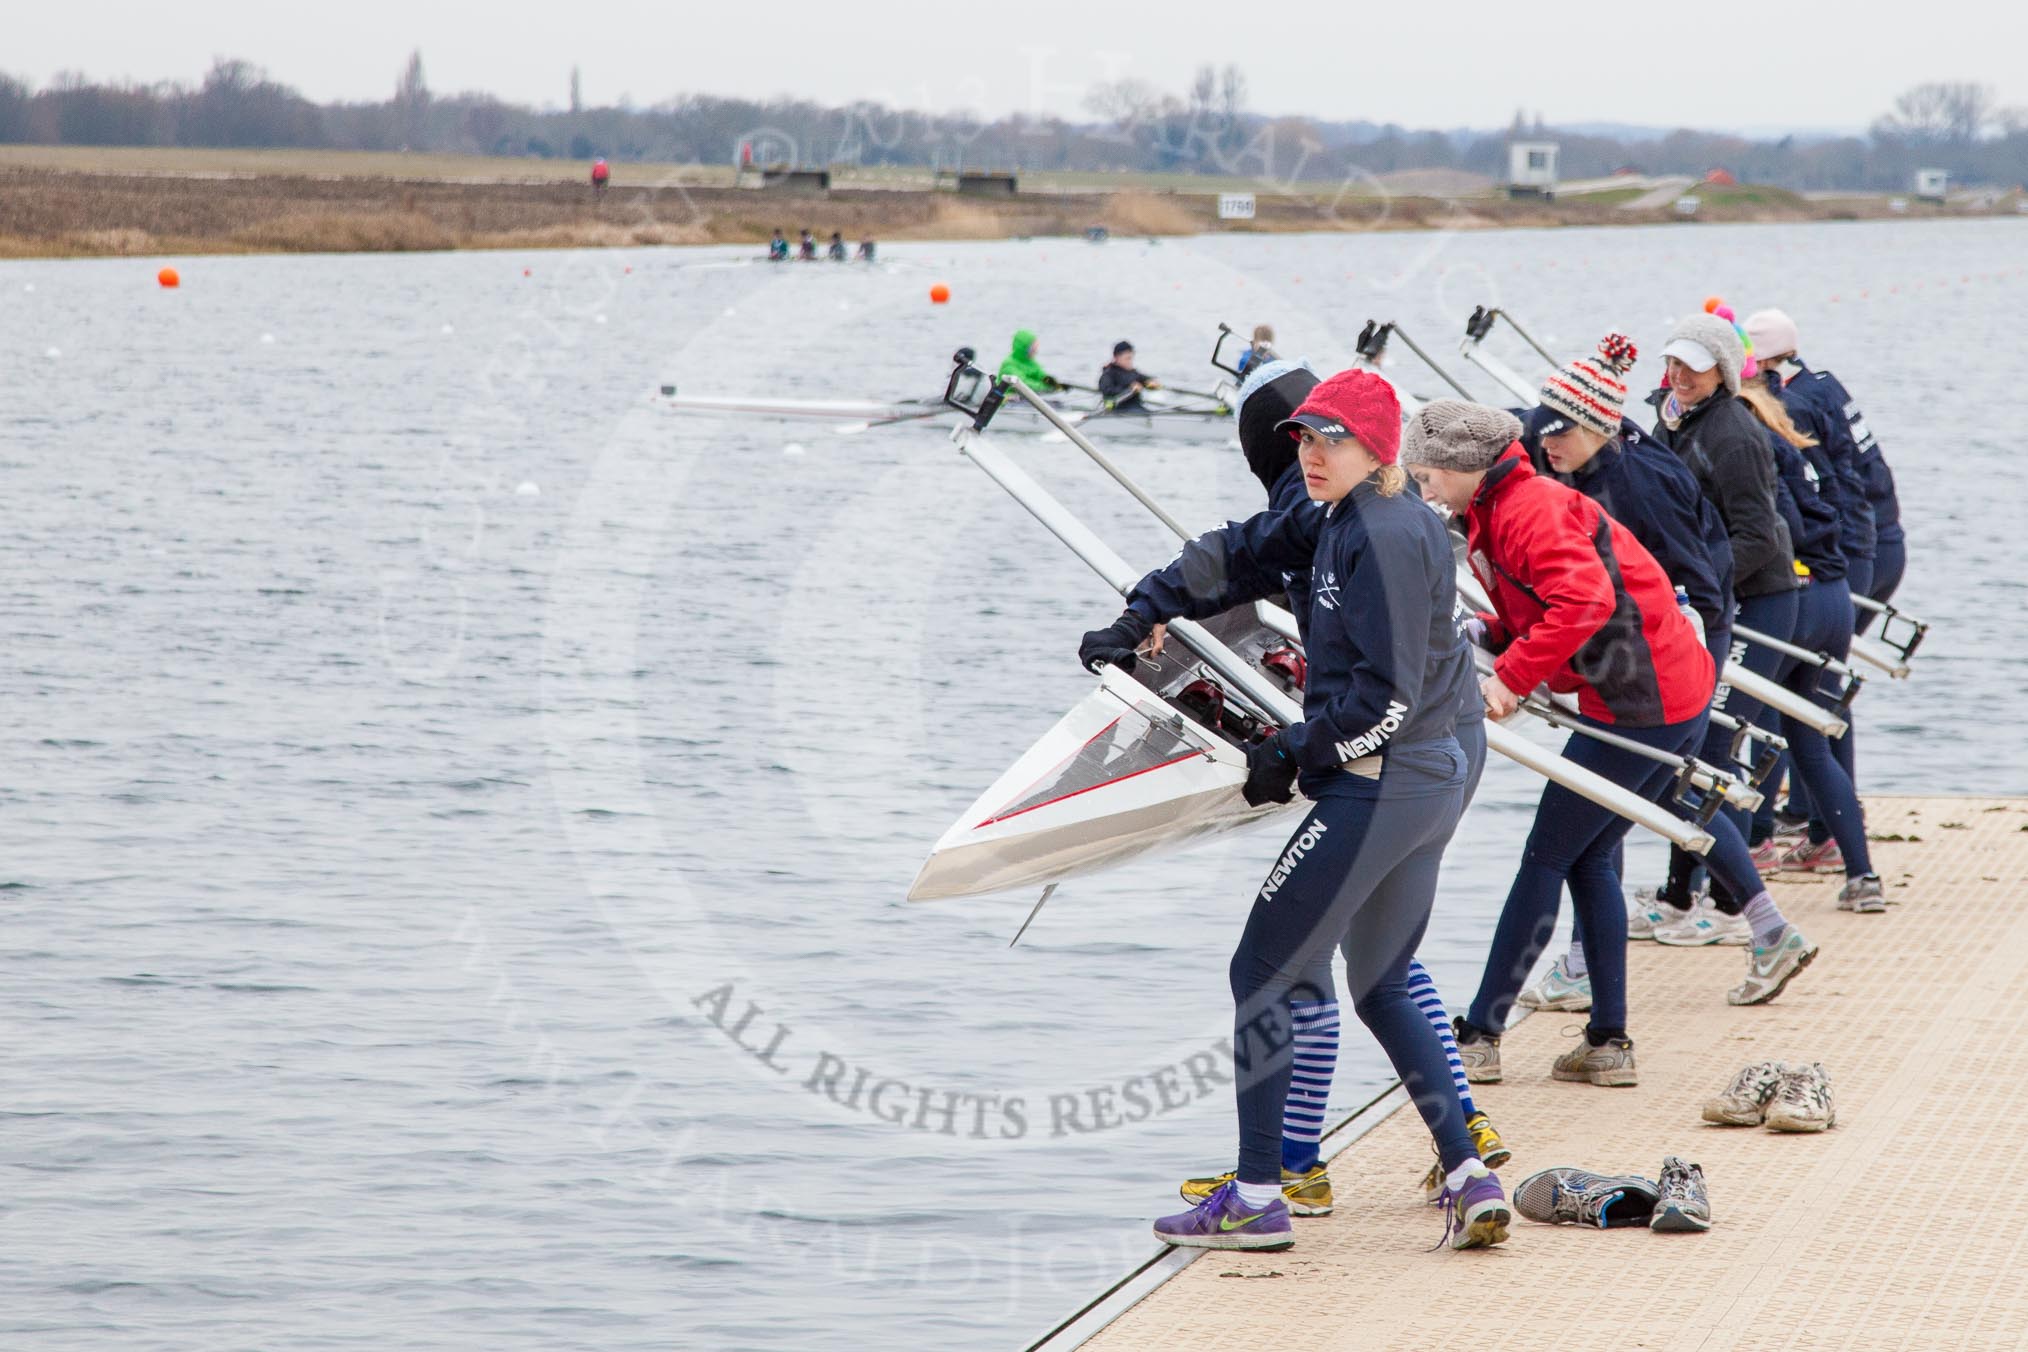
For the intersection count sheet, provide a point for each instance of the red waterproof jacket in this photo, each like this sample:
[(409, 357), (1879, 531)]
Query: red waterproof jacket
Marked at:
[(1581, 604)]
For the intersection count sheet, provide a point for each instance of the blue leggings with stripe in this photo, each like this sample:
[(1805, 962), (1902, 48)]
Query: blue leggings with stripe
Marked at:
[(1316, 1022), (1359, 871)]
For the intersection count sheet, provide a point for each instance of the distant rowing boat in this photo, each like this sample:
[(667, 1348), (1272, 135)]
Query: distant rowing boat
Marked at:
[(1173, 422)]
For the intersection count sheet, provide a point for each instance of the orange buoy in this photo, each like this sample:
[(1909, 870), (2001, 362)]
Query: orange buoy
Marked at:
[(169, 277), (939, 294)]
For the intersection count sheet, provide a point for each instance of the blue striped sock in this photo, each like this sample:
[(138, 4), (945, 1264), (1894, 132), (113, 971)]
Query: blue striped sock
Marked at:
[(1315, 1026), (1422, 989)]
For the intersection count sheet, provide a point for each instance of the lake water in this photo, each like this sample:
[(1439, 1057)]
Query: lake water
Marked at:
[(392, 852)]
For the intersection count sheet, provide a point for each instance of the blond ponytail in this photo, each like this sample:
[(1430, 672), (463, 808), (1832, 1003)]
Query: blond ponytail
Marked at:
[(1773, 416)]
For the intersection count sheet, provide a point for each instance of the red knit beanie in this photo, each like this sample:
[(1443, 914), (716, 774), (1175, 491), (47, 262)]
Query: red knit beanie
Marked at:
[(1353, 403)]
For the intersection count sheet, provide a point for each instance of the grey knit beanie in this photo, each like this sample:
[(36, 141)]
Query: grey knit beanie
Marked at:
[(1720, 339), (1452, 434)]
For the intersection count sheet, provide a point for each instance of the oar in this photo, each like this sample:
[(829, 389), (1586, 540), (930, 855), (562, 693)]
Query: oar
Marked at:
[(854, 429), (1194, 394)]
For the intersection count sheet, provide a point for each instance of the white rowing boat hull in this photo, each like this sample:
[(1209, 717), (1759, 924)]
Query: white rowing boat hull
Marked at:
[(1155, 425), (767, 406), (1122, 774)]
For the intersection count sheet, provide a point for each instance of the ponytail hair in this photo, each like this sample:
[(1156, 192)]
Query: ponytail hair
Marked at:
[(1773, 416), (1389, 480)]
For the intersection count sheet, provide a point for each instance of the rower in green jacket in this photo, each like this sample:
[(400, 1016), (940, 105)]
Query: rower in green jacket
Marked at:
[(1021, 362)]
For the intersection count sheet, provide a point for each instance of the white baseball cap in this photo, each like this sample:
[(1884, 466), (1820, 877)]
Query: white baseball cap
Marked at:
[(1692, 354)]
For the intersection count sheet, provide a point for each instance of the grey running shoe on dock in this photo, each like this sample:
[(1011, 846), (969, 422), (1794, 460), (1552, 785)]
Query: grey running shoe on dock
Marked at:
[(1610, 1064), (1864, 895), (1478, 1053), (1567, 1195), (1802, 1102), (1683, 1205), (1744, 1102)]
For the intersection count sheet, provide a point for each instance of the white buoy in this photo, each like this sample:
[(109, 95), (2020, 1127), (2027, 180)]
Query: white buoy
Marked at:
[(793, 448), (28, 286), (598, 319), (527, 489), (729, 312), (51, 353), (267, 338), (445, 329), (844, 304)]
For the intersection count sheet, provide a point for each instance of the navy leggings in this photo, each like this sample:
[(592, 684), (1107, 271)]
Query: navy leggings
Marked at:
[(1715, 749), (1361, 870), (1823, 624), (1472, 741), (1859, 576), (1574, 840), (1889, 563), (1775, 616)]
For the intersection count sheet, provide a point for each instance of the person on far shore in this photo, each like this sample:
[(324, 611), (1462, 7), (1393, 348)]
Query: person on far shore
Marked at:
[(866, 250), (837, 252), (778, 248), (601, 174), (806, 249)]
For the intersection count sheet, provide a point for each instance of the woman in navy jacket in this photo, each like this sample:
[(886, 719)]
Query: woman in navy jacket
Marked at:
[(1377, 753)]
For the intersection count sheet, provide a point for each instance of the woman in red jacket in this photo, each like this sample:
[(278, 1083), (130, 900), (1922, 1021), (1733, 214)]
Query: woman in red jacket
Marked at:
[(1583, 607)]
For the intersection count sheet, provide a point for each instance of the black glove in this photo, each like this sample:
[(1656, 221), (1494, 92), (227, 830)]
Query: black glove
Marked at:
[(1113, 645), (1270, 773)]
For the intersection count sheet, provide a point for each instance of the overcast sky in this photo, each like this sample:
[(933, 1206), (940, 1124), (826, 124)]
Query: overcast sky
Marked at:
[(1719, 66)]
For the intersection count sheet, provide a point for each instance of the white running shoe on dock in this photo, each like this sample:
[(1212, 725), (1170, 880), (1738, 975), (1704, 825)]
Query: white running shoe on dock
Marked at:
[(1769, 970), (1704, 924), (1559, 990)]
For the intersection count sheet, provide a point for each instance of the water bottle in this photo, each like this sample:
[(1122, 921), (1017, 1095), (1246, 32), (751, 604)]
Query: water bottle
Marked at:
[(1690, 612)]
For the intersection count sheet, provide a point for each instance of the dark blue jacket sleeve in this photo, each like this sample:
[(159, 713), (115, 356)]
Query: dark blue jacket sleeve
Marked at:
[(1382, 625), (1238, 562), (1835, 458), (1874, 475)]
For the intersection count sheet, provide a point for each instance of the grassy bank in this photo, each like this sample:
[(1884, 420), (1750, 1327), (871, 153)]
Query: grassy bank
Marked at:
[(82, 202)]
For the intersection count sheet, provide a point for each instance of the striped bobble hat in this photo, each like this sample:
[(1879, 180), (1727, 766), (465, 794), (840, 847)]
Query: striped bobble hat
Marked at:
[(1591, 391)]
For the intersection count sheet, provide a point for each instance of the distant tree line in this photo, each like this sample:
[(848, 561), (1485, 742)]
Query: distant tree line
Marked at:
[(1133, 126)]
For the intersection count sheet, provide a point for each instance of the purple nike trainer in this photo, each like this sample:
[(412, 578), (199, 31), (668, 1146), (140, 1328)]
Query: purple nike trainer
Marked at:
[(1223, 1221)]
